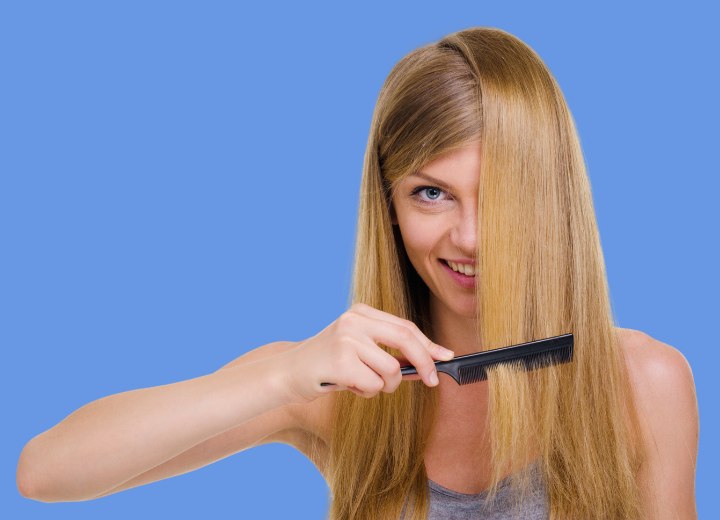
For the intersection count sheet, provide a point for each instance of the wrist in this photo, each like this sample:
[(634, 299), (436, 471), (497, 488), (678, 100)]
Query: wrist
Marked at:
[(285, 377)]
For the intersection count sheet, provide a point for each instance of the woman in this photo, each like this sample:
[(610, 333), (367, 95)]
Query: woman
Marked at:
[(473, 165)]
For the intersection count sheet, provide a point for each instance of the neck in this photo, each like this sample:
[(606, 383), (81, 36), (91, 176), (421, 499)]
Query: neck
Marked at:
[(452, 330)]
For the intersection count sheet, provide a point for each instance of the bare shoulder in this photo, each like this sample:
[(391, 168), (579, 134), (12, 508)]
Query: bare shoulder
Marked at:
[(658, 371), (664, 389), (645, 352)]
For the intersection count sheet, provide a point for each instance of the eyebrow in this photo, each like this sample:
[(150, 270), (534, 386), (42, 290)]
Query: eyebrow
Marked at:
[(431, 179)]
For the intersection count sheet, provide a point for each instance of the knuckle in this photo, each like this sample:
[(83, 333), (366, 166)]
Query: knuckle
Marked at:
[(364, 388), (346, 320), (343, 340), (393, 386), (391, 367), (413, 326), (407, 335), (392, 383), (378, 385), (346, 316), (394, 369)]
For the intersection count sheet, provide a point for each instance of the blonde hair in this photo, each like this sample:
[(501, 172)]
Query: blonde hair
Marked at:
[(541, 274)]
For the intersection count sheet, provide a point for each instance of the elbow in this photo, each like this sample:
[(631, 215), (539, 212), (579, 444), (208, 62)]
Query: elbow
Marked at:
[(26, 487), (23, 483), (25, 476), (31, 477), (44, 480)]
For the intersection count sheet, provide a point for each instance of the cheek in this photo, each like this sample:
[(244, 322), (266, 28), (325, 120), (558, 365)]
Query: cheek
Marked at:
[(419, 240), (421, 232)]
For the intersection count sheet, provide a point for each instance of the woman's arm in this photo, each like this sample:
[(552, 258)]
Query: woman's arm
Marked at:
[(108, 442), (666, 394)]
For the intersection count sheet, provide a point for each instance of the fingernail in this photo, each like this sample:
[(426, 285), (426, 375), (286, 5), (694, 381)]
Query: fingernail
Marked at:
[(446, 353), (444, 350), (434, 378)]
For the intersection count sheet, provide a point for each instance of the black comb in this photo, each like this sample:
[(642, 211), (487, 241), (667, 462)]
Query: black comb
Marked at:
[(472, 368)]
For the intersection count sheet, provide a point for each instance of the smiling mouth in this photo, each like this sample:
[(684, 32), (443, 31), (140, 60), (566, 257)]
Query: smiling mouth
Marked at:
[(459, 268)]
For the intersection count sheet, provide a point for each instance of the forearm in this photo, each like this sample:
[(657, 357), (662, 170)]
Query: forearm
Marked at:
[(113, 439)]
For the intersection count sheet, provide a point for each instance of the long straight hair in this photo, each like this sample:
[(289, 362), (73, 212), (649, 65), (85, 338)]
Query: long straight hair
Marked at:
[(541, 273)]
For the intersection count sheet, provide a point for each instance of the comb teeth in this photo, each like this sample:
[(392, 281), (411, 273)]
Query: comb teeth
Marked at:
[(474, 373)]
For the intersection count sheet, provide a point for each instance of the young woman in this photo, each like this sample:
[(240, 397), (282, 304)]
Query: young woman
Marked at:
[(476, 231)]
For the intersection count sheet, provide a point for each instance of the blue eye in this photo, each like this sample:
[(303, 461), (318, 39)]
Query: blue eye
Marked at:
[(423, 188)]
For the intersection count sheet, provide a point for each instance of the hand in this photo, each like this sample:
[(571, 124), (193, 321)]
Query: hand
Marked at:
[(346, 354)]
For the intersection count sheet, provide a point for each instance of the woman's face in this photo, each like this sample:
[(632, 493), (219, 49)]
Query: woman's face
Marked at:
[(437, 219)]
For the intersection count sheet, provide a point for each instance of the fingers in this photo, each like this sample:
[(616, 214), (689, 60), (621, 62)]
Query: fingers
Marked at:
[(402, 338), (403, 363), (382, 364), (437, 351), (361, 366), (365, 378)]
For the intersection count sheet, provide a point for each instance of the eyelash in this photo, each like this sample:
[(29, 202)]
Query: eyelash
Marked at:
[(421, 188)]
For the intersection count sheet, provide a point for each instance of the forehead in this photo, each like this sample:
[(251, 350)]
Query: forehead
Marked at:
[(453, 170)]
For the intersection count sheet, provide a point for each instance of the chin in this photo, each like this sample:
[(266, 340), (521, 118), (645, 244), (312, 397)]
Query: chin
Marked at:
[(464, 308), (465, 305)]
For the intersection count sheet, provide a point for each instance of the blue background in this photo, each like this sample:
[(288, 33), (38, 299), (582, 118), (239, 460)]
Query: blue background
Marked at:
[(180, 185)]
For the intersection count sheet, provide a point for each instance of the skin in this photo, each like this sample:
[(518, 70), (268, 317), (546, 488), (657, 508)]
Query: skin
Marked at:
[(434, 224), (440, 223), (660, 375)]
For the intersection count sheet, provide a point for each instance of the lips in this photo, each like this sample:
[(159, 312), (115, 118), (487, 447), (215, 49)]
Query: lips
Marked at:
[(465, 282)]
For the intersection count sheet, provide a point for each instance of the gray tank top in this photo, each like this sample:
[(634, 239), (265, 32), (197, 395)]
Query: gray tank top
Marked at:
[(448, 504)]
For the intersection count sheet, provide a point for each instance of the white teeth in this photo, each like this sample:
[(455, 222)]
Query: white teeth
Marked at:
[(467, 270)]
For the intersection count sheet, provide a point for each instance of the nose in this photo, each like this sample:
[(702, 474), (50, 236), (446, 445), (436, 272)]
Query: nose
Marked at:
[(464, 233)]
